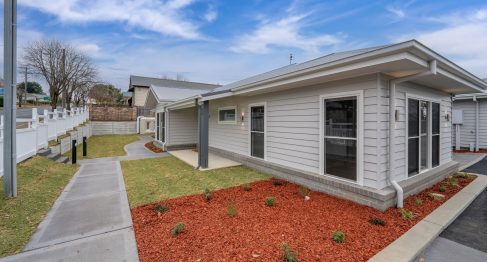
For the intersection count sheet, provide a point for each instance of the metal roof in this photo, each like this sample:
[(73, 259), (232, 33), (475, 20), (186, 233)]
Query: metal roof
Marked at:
[(294, 68), (142, 81), (172, 93)]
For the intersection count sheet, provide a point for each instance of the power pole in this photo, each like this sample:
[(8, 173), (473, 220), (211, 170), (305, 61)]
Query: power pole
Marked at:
[(25, 86), (10, 75)]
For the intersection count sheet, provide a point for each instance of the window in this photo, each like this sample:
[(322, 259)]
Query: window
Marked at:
[(340, 141), (423, 135), (227, 115)]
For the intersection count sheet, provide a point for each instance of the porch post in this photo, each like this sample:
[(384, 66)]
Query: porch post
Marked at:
[(203, 117)]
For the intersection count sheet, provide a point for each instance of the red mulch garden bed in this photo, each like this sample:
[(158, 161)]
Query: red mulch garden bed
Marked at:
[(257, 231), (154, 148), (481, 151)]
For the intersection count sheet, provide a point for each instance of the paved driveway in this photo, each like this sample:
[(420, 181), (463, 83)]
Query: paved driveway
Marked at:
[(466, 238)]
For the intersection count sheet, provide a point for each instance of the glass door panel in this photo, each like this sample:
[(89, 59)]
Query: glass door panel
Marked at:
[(341, 137), (257, 131)]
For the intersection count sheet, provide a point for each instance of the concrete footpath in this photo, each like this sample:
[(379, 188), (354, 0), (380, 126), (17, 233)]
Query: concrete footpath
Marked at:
[(90, 221)]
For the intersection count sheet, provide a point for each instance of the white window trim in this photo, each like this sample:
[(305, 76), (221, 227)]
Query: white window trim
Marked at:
[(227, 122), (360, 135), (430, 132), (249, 119)]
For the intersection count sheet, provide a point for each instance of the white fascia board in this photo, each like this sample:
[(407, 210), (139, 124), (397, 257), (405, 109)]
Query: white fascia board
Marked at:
[(336, 70), (213, 97), (183, 103)]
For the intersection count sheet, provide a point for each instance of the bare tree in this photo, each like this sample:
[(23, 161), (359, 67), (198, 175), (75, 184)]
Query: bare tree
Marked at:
[(62, 66), (81, 95)]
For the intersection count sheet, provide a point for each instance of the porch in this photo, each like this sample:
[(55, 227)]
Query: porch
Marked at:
[(190, 156)]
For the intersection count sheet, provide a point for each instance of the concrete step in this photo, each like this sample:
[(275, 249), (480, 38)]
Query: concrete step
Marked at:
[(63, 159), (53, 156), (44, 152)]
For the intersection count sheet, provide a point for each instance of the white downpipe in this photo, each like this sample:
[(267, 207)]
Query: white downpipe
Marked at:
[(138, 124), (477, 123), (392, 126)]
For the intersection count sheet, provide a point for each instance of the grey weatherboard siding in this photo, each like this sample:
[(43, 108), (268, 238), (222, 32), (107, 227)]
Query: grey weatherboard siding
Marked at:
[(467, 129)]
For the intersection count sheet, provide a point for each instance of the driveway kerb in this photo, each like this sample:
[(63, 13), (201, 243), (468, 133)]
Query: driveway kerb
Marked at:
[(410, 245)]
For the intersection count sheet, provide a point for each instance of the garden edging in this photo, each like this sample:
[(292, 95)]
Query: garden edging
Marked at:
[(410, 245)]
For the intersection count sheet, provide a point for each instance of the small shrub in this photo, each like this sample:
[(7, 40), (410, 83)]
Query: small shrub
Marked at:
[(442, 188), (406, 214), (158, 208), (232, 210), (270, 201), (289, 254), (377, 221), (277, 183), (453, 181), (338, 236), (207, 194), (434, 196), (303, 191), (418, 201), (246, 187), (177, 229), (462, 175)]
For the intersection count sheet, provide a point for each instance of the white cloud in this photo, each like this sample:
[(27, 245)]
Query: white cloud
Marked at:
[(397, 13), (158, 16), (210, 14), (284, 33), (462, 38)]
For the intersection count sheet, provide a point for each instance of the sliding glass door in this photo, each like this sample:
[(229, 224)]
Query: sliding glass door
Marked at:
[(340, 137), (423, 135)]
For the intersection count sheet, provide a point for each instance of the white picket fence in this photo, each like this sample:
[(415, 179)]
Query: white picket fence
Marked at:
[(41, 129)]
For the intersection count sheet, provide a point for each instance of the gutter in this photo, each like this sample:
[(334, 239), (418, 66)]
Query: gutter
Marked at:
[(392, 125)]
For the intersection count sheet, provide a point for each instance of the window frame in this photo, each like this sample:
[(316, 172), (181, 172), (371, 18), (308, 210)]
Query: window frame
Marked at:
[(227, 122), (359, 137)]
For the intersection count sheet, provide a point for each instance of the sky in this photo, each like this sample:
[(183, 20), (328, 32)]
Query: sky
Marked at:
[(224, 41)]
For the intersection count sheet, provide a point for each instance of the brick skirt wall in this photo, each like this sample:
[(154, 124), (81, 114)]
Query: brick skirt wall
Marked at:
[(112, 113)]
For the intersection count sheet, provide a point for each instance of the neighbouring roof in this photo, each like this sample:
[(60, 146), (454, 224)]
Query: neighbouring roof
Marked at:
[(142, 81)]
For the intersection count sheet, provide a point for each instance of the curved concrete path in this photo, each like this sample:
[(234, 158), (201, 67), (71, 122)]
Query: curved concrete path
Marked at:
[(90, 221)]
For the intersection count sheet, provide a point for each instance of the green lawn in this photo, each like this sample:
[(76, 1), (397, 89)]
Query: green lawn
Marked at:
[(152, 180), (40, 181), (104, 146)]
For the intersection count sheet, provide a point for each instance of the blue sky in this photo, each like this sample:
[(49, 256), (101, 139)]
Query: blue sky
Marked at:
[(224, 41)]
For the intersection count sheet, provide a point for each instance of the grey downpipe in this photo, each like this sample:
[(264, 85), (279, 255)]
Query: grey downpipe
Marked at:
[(392, 126)]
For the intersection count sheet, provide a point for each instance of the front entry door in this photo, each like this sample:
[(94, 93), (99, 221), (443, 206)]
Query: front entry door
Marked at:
[(257, 116)]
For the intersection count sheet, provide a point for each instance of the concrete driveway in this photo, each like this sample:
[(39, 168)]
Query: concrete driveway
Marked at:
[(466, 238)]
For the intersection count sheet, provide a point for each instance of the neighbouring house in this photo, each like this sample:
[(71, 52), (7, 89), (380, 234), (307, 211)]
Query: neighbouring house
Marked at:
[(140, 85), (469, 121), (370, 125)]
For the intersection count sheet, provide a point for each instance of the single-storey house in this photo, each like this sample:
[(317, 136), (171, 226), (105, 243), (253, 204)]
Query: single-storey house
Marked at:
[(170, 91), (469, 121), (370, 125), (139, 86)]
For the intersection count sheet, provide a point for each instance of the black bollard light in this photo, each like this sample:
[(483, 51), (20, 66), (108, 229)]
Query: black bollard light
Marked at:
[(85, 145), (73, 152)]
